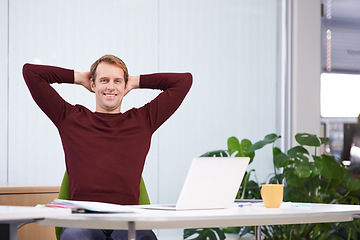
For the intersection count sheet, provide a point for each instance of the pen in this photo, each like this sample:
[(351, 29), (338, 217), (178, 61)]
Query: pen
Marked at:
[(244, 204)]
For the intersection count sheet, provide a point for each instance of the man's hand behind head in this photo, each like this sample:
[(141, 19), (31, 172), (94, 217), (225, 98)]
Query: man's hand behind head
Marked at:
[(133, 83), (83, 78)]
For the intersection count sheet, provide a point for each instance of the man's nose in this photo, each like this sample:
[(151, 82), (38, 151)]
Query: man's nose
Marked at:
[(110, 85)]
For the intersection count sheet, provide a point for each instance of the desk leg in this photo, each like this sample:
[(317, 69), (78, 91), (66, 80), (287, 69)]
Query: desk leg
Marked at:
[(8, 231), (258, 232), (131, 231)]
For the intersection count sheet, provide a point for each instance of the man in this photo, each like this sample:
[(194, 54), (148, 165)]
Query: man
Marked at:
[(105, 150)]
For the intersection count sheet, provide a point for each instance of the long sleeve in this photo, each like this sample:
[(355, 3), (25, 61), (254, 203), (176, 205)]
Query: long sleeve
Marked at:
[(38, 79), (175, 86)]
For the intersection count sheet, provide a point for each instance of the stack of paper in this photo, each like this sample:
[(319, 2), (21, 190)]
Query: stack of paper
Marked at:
[(87, 206)]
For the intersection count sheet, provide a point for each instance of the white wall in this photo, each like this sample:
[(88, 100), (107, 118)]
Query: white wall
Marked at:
[(229, 46), (3, 89)]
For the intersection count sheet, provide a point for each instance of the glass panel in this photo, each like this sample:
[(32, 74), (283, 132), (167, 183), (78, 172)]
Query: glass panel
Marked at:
[(231, 49), (340, 95), (341, 36)]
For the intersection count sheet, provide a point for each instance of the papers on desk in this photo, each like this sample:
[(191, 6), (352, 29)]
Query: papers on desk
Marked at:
[(91, 207), (260, 203), (100, 207)]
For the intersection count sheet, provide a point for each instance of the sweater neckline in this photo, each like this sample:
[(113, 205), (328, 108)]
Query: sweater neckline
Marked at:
[(108, 114)]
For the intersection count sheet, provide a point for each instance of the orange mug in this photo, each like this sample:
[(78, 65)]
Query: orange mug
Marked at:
[(272, 195)]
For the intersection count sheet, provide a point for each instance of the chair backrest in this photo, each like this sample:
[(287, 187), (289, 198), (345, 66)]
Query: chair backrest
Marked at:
[(64, 193)]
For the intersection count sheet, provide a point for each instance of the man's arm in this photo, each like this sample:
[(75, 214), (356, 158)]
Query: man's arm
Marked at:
[(38, 79), (175, 86), (83, 79), (133, 83)]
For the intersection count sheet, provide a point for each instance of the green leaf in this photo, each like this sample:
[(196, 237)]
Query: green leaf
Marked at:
[(303, 157), (324, 140), (353, 200), (316, 167), (233, 145), (270, 138), (217, 153), (244, 231), (256, 146), (220, 233), (252, 190), (231, 230), (204, 234), (302, 169), (326, 170), (244, 146), (353, 184), (241, 149), (296, 151), (275, 180), (334, 237), (211, 235), (331, 168), (307, 139), (282, 160), (276, 151), (189, 232), (292, 180)]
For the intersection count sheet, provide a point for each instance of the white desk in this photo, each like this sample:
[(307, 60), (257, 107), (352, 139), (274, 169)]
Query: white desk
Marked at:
[(245, 216), (13, 217)]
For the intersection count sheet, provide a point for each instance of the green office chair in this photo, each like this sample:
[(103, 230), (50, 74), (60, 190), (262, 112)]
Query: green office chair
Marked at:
[(64, 193)]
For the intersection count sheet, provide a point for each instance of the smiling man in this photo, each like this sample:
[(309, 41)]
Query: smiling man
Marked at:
[(109, 81), (105, 150)]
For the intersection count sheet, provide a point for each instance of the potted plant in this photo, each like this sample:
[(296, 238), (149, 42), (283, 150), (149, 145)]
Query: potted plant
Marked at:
[(307, 175)]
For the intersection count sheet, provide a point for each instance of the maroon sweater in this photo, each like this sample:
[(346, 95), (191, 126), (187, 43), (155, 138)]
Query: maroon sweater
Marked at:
[(105, 153)]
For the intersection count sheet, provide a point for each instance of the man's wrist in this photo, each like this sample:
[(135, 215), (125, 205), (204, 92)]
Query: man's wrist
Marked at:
[(81, 77), (134, 81)]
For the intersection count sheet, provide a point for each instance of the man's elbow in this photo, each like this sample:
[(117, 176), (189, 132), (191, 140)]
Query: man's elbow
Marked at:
[(188, 78)]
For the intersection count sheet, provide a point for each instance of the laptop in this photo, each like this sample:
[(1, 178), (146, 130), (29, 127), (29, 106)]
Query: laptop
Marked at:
[(211, 183)]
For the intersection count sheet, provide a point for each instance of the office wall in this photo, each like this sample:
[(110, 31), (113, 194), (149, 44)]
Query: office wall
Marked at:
[(3, 89), (229, 47)]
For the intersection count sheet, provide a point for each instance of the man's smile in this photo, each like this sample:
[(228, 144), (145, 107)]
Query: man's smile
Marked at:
[(110, 94)]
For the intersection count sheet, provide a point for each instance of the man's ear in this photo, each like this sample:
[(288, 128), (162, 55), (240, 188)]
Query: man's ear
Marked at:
[(92, 84)]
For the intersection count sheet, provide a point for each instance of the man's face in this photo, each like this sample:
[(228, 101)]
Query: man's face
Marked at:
[(109, 88)]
